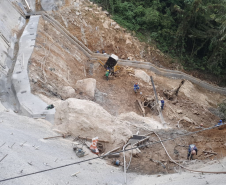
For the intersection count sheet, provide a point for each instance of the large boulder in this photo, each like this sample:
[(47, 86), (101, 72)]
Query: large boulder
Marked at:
[(196, 94), (142, 75), (145, 122), (88, 119), (86, 86), (67, 92)]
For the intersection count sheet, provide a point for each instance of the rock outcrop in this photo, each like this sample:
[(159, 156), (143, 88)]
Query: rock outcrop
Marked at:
[(86, 86), (67, 92), (88, 119), (142, 75)]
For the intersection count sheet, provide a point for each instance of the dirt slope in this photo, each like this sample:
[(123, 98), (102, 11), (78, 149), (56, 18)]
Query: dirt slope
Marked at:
[(56, 63)]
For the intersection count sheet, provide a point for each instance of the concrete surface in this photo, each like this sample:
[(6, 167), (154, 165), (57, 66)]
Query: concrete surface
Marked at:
[(18, 129), (10, 21), (28, 101), (45, 154), (185, 178)]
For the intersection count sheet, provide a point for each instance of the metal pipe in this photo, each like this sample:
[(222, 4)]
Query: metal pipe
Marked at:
[(157, 102), (124, 156)]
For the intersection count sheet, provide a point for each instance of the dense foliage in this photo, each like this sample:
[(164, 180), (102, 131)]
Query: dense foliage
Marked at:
[(192, 30)]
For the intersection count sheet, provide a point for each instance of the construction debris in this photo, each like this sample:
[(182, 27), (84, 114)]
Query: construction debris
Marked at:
[(209, 152), (63, 136), (116, 162), (89, 139), (209, 156), (75, 174), (172, 94), (79, 152)]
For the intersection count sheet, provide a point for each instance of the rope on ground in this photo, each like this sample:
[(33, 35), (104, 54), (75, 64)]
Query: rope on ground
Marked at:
[(180, 164)]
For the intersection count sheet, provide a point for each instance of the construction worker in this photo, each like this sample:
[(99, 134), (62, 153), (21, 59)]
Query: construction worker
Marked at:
[(192, 150), (103, 52), (162, 104), (219, 123), (107, 74), (136, 87)]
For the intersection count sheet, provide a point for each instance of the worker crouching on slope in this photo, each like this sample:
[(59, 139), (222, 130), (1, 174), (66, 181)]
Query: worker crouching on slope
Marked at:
[(192, 150), (136, 87), (219, 123)]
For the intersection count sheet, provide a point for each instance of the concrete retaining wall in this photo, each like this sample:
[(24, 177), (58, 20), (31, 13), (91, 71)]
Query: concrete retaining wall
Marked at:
[(31, 103)]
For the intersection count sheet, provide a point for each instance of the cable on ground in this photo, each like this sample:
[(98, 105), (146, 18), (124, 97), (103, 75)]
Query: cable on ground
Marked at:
[(148, 144)]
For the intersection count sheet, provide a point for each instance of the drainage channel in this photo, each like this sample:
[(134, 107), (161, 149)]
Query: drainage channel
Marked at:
[(7, 93), (15, 92)]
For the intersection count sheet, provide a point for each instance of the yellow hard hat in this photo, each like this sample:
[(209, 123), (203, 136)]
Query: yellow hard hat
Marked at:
[(107, 70)]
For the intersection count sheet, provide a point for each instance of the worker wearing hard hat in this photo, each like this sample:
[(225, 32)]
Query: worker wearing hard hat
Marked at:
[(192, 150), (107, 74), (219, 123)]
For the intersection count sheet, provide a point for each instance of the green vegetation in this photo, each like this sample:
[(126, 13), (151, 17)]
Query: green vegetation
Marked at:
[(222, 110), (192, 30)]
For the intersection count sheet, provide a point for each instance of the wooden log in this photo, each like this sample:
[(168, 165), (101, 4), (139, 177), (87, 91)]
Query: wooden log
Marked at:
[(75, 174), (141, 107), (52, 137), (209, 156), (99, 140), (111, 151), (209, 152), (64, 135), (138, 142)]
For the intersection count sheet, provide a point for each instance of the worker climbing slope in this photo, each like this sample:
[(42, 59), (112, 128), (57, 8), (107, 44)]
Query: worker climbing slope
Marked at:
[(107, 74), (192, 150)]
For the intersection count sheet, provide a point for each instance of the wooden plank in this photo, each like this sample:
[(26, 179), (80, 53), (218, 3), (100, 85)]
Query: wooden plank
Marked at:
[(99, 140), (141, 107), (209, 152)]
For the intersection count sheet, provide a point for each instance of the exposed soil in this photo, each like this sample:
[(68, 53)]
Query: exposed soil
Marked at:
[(153, 159), (98, 32), (56, 63)]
